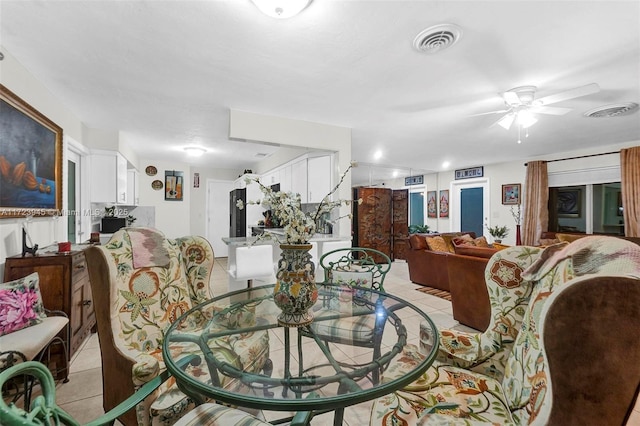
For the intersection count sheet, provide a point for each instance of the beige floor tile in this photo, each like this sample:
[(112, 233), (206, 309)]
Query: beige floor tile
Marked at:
[(81, 385), (87, 359), (84, 410)]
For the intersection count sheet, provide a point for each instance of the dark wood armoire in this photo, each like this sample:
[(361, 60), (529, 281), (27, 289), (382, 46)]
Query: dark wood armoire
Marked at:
[(381, 221)]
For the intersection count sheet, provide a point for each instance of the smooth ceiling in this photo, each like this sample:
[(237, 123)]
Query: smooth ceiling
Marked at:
[(166, 73)]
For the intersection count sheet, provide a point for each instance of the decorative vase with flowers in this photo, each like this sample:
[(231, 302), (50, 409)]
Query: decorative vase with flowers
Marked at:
[(295, 290)]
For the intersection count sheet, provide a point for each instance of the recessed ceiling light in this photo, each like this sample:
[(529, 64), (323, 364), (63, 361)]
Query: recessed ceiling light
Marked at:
[(395, 173), (195, 151), (446, 165), (377, 155)]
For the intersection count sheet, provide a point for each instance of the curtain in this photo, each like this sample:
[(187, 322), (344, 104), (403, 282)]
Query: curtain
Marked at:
[(630, 177), (536, 199)]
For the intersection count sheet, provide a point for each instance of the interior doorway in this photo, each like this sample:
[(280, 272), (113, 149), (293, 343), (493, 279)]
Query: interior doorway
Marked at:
[(475, 208), (471, 214), (73, 207), (218, 215)]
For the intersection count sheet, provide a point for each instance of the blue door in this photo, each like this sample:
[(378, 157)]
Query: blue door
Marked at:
[(471, 211)]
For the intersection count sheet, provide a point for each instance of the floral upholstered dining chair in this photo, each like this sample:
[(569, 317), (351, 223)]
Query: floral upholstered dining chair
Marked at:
[(583, 305), (141, 282)]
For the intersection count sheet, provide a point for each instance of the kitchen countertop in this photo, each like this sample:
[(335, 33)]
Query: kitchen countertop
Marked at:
[(241, 241)]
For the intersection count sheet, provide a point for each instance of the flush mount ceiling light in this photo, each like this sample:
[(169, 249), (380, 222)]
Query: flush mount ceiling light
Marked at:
[(281, 9), (195, 151)]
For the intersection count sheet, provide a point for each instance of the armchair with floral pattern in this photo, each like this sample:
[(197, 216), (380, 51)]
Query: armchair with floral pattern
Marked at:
[(141, 282), (575, 358)]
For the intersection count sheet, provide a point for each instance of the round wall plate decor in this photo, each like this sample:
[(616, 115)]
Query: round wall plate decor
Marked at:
[(151, 170), (156, 184)]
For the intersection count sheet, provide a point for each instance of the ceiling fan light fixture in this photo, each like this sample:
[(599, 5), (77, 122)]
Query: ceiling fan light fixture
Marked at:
[(281, 9), (526, 119)]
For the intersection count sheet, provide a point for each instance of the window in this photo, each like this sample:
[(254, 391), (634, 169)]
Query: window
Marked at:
[(592, 209)]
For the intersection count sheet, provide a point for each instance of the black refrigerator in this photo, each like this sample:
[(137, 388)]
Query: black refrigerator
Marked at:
[(237, 217)]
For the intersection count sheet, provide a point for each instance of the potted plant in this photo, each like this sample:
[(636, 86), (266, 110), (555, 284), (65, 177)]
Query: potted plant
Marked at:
[(498, 232), (418, 229)]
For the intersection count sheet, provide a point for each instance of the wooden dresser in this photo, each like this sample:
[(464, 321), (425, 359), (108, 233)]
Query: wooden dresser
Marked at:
[(65, 286)]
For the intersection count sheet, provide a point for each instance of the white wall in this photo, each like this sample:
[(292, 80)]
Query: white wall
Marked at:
[(173, 218)]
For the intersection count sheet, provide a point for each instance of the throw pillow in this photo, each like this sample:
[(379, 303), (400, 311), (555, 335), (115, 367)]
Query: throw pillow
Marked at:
[(448, 239), (20, 304), (481, 242), (569, 238), (463, 241), (437, 244), (548, 241)]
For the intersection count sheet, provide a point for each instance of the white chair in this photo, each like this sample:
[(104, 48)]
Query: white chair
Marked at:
[(254, 263)]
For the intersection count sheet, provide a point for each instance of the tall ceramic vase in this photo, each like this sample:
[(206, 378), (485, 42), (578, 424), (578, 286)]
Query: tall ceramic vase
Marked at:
[(295, 291)]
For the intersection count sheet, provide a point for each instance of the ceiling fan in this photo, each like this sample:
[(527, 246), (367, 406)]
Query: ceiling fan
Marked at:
[(521, 105)]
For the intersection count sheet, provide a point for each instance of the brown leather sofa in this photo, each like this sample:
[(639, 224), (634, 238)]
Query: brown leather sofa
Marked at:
[(460, 274), (428, 267)]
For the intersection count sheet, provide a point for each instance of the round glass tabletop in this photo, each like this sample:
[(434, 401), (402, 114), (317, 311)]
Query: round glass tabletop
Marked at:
[(244, 357)]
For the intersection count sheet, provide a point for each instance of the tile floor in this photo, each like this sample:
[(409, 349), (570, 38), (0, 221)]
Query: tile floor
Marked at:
[(82, 395)]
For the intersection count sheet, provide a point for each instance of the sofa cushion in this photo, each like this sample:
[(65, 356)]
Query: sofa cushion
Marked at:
[(469, 250), (437, 244)]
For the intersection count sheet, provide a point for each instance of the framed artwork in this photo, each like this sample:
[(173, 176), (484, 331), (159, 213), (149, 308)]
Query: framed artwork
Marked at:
[(30, 160), (569, 202), (173, 185), (432, 204), (444, 203), (511, 193)]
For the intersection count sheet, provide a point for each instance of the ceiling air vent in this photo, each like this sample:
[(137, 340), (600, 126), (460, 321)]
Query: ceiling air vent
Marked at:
[(437, 38), (612, 110)]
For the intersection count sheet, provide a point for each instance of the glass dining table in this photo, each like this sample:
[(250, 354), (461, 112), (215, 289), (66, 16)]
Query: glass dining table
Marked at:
[(309, 371)]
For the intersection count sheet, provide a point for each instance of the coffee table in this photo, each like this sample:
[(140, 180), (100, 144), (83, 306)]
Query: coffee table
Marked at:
[(309, 375)]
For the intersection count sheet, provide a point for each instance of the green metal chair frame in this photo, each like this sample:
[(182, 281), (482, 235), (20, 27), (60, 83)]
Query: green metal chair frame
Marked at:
[(358, 259), (45, 411)]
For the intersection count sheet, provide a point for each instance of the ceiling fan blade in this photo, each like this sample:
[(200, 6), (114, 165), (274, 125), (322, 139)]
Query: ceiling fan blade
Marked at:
[(550, 110), (490, 112), (568, 94), (505, 122)]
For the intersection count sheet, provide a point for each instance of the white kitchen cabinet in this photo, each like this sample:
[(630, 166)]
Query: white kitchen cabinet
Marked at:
[(133, 187), (318, 178), (299, 179), (285, 179), (108, 177), (270, 178)]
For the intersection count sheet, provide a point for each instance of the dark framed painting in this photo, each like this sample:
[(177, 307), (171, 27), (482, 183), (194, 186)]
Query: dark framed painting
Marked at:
[(444, 203), (30, 160), (432, 204), (173, 185), (569, 202), (511, 193)]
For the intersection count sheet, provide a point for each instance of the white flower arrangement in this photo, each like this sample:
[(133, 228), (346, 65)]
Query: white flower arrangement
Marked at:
[(299, 226)]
